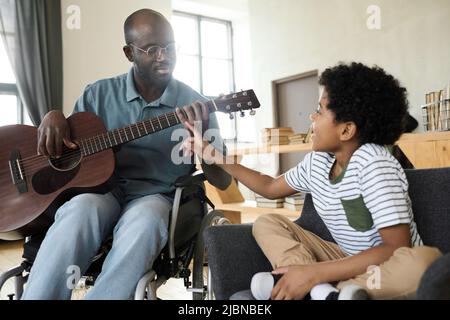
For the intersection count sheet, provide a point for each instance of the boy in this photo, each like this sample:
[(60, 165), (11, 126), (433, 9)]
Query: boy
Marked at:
[(359, 190)]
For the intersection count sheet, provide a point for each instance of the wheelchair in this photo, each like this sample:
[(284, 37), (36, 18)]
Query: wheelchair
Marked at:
[(185, 249)]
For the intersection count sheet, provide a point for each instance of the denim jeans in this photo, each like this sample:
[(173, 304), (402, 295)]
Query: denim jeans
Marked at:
[(140, 232)]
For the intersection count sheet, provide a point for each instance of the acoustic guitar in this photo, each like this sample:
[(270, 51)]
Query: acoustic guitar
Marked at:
[(33, 187)]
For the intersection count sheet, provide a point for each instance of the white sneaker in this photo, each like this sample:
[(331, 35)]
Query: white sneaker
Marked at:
[(353, 292), (262, 285), (326, 291)]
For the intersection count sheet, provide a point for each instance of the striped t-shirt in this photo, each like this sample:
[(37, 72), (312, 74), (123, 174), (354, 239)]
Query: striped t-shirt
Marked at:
[(369, 195)]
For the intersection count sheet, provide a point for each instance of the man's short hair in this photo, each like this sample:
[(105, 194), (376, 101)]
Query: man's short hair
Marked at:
[(131, 20)]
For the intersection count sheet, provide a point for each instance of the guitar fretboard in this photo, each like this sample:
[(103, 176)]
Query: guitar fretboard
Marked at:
[(132, 132)]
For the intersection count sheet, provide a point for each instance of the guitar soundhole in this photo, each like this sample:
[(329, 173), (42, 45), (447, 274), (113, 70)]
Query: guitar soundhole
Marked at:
[(69, 160)]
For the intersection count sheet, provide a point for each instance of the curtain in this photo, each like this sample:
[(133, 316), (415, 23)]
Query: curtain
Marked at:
[(31, 30)]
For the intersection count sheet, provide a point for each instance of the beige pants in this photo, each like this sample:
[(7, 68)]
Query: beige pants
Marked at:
[(284, 243)]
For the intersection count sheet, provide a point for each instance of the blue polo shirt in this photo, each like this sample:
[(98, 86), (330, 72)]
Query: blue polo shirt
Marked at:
[(143, 166)]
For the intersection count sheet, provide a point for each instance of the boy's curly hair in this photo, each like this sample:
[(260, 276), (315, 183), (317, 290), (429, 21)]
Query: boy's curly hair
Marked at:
[(371, 98)]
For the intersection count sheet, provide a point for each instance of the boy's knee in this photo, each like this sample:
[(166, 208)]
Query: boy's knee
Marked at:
[(263, 222), (424, 256), (417, 259)]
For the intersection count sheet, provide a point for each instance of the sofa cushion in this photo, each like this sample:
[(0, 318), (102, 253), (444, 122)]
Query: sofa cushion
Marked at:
[(430, 197), (311, 221)]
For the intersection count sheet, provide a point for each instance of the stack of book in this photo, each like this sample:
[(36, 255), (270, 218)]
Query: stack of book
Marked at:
[(436, 111), (308, 135), (294, 202), (297, 138), (262, 202), (276, 136)]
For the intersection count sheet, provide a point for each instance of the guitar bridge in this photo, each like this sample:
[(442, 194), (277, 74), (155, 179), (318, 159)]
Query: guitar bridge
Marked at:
[(17, 173)]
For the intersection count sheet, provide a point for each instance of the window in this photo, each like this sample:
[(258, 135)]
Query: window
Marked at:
[(205, 59), (11, 108)]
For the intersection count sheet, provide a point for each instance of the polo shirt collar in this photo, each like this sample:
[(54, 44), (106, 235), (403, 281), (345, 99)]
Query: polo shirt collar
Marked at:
[(168, 98), (131, 89)]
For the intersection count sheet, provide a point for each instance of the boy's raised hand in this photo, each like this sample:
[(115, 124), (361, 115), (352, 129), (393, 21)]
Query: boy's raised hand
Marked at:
[(195, 143), (195, 114)]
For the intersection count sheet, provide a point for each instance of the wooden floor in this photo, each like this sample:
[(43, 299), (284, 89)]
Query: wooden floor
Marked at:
[(10, 257)]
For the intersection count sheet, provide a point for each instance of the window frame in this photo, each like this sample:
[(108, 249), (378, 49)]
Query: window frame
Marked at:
[(198, 19), (11, 89)]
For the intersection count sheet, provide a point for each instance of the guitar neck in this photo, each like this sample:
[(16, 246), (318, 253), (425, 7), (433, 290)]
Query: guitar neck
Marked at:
[(132, 132)]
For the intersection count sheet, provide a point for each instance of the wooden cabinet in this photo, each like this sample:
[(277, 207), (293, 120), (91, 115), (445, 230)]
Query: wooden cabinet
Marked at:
[(427, 150)]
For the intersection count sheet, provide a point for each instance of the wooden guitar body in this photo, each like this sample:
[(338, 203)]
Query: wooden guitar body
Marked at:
[(28, 206)]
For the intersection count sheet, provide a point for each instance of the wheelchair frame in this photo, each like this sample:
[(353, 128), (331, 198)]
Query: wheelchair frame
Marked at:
[(178, 265)]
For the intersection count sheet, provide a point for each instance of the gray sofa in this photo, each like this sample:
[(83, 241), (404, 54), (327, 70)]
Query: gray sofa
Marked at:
[(234, 256)]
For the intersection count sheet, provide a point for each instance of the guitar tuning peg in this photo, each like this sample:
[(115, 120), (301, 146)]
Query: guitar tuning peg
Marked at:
[(252, 112), (242, 114), (231, 117)]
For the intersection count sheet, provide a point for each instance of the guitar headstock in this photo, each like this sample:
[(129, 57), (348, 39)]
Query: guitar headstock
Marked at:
[(237, 102)]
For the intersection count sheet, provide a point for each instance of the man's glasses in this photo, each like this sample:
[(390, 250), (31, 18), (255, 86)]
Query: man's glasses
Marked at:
[(154, 51)]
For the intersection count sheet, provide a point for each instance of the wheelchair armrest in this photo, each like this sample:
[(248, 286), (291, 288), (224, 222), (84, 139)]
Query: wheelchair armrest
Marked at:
[(234, 257), (195, 178), (216, 176)]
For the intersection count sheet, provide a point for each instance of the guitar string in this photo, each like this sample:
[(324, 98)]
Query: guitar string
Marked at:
[(98, 144), (30, 163), (141, 125), (95, 142)]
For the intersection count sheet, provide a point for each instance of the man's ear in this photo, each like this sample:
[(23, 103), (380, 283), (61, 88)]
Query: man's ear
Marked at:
[(128, 53), (348, 131)]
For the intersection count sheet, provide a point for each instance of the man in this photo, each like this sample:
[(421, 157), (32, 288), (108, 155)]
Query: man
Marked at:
[(136, 212)]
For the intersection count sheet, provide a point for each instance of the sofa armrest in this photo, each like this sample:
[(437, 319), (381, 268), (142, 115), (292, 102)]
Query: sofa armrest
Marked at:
[(435, 282), (233, 257)]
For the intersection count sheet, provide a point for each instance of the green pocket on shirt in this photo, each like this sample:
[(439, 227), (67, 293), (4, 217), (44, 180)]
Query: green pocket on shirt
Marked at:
[(358, 216)]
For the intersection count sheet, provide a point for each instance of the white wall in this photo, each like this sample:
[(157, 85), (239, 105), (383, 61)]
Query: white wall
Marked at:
[(293, 36), (290, 37), (95, 50)]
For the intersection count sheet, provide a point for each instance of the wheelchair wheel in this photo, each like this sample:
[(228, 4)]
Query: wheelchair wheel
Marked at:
[(213, 218)]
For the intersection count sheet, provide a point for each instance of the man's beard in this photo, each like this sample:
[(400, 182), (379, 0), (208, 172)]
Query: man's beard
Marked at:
[(157, 81)]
